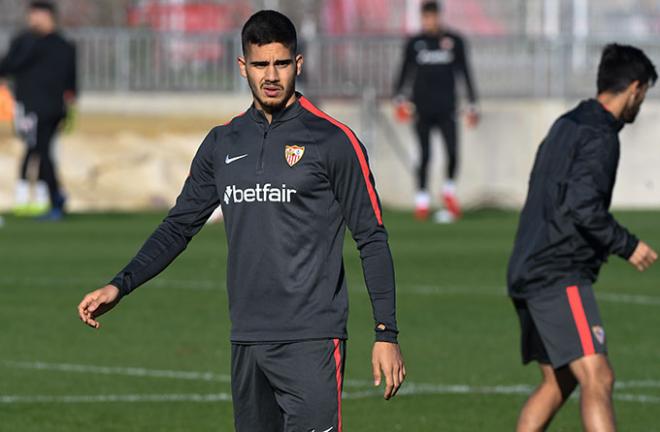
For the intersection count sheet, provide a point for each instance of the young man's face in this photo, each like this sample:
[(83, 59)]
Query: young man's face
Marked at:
[(271, 72), (430, 22), (635, 101)]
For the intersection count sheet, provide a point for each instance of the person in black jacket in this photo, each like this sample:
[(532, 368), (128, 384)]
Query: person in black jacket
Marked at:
[(565, 234), (433, 60), (290, 179), (42, 64)]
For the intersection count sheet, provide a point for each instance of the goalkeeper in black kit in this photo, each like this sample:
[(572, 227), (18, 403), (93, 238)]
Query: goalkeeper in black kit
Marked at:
[(433, 61), (290, 180)]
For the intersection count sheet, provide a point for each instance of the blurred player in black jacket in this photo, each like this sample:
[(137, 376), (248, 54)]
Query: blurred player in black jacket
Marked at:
[(42, 65), (433, 60), (566, 233)]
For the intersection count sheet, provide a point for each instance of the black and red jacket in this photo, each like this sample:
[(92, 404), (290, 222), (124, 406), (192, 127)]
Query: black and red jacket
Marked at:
[(288, 190)]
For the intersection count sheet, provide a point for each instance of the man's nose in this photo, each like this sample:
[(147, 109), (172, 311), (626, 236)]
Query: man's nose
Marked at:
[(271, 73)]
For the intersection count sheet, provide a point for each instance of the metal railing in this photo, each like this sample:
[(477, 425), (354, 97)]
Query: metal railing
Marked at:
[(112, 60), (138, 61), (504, 67)]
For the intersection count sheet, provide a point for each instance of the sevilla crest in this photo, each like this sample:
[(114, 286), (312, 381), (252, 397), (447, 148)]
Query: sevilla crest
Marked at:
[(447, 43), (599, 332), (293, 154)]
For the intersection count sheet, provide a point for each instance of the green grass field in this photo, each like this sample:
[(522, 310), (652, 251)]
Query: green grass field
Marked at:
[(161, 361)]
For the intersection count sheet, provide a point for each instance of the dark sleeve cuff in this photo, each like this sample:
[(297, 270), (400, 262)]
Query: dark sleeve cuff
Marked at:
[(387, 336), (120, 281), (631, 245)]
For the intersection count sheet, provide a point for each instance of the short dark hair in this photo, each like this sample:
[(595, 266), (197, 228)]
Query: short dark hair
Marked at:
[(268, 26), (48, 6), (621, 65), (431, 6)]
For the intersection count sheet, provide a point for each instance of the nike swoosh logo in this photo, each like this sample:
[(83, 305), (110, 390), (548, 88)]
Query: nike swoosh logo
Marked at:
[(229, 160), (327, 430)]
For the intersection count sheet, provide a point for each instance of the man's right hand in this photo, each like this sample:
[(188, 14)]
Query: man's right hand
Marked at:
[(643, 256), (97, 303)]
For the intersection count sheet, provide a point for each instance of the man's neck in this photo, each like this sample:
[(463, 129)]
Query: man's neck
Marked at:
[(269, 114), (44, 32), (614, 103)]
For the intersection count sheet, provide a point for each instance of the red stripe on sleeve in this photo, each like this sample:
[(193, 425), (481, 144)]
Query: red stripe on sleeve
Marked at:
[(580, 320), (337, 355), (358, 151)]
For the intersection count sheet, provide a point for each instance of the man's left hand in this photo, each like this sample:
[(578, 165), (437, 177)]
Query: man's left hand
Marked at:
[(386, 359)]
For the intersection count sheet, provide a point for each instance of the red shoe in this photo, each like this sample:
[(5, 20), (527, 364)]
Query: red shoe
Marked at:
[(451, 204), (422, 213)]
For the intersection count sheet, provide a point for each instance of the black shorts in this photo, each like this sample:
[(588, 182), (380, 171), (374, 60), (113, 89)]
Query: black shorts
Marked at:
[(561, 326), (287, 387)]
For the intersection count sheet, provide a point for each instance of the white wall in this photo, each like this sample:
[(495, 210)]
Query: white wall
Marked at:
[(100, 171), (496, 158)]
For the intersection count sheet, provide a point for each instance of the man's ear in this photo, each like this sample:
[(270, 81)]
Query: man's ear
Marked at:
[(242, 66), (634, 87), (299, 64)]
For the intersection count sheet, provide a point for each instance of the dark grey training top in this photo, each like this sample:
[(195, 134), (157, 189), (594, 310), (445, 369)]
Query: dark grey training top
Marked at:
[(566, 231), (288, 190)]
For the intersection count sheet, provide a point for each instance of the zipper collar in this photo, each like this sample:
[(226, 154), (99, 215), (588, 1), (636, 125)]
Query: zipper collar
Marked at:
[(288, 113)]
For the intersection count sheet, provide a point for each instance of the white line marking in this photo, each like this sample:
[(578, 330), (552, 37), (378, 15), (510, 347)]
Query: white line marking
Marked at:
[(644, 399), (416, 388), (175, 397), (126, 371), (355, 286), (412, 389), (140, 372), (496, 390), (439, 290), (226, 397), (637, 299), (610, 297), (202, 285), (637, 384)]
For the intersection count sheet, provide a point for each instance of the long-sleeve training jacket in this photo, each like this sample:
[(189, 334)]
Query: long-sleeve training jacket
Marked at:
[(288, 189), (44, 72), (434, 62), (566, 231)]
